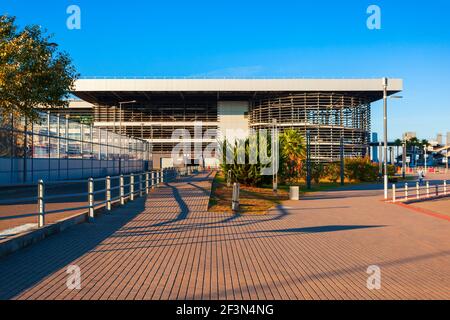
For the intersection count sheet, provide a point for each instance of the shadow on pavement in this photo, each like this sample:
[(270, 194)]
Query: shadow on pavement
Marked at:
[(28, 266), (321, 229)]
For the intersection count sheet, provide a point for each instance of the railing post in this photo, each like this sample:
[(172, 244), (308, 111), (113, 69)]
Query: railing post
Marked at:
[(406, 191), (146, 183), (157, 178), (41, 203), (141, 188), (108, 193), (393, 192), (132, 187), (436, 187), (122, 190), (91, 199), (163, 171), (417, 190), (445, 187), (153, 180), (235, 198), (428, 189)]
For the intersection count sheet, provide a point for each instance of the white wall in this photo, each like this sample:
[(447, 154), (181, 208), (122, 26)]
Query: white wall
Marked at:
[(232, 122)]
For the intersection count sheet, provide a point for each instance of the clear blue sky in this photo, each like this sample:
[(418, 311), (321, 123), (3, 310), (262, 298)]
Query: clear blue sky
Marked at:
[(265, 38)]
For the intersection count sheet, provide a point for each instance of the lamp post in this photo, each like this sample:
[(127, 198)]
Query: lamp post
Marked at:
[(308, 159), (425, 157), (341, 153), (274, 158), (404, 159), (385, 85), (385, 147), (120, 131)]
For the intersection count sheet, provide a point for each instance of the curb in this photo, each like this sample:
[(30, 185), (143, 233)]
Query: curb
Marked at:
[(20, 241)]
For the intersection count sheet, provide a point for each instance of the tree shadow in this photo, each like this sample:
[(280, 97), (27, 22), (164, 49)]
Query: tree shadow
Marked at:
[(28, 266), (317, 229)]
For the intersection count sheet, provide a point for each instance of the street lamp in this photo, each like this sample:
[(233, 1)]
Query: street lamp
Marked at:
[(120, 128), (385, 96), (120, 112), (274, 158)]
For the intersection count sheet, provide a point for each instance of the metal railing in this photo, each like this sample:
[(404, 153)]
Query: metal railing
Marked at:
[(419, 192), (57, 148), (138, 184)]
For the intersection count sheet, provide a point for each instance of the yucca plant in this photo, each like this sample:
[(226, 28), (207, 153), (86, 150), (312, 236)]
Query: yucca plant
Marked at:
[(244, 173), (292, 154)]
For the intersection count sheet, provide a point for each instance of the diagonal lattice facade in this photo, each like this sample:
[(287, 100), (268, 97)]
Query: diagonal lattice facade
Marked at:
[(327, 116)]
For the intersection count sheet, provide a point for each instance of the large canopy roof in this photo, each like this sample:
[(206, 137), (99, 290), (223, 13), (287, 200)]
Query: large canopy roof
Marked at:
[(111, 91)]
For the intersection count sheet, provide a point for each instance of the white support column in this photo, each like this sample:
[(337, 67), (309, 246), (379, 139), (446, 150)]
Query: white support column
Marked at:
[(108, 193), (406, 191), (122, 190), (132, 187), (91, 199), (41, 203), (417, 190), (393, 192)]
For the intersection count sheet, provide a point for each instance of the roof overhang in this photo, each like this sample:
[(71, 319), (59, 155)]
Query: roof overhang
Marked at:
[(114, 90)]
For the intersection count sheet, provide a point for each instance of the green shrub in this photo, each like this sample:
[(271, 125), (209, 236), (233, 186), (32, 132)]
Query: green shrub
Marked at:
[(361, 169), (246, 174), (317, 172), (333, 171)]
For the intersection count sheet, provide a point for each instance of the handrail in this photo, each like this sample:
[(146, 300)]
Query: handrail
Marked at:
[(137, 184), (417, 191)]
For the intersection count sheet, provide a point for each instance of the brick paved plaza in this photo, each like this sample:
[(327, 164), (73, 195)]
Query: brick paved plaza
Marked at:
[(168, 246)]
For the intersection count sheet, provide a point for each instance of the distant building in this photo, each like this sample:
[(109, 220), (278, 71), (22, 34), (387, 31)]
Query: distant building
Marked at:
[(439, 139), (448, 138), (375, 150), (326, 108), (409, 135)]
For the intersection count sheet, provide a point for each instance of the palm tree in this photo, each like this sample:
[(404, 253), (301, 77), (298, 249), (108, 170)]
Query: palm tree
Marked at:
[(292, 152)]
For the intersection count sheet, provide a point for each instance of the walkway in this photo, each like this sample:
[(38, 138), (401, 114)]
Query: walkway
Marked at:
[(169, 247)]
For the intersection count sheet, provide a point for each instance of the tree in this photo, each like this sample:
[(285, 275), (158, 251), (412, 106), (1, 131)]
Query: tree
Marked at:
[(292, 153), (32, 73)]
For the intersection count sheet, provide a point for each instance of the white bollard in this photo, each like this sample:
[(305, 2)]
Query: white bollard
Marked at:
[(393, 193), (294, 193), (146, 182), (41, 203), (132, 187), (108, 193), (122, 190), (417, 190), (153, 180), (91, 199), (428, 189), (406, 191), (445, 187), (235, 198)]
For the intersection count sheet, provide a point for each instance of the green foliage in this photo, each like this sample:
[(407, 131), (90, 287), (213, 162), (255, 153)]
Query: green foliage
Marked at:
[(292, 154), (361, 169), (244, 173), (391, 170), (317, 172), (32, 73), (333, 171)]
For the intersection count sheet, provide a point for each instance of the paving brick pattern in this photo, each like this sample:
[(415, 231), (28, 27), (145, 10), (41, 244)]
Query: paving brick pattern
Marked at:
[(168, 246)]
